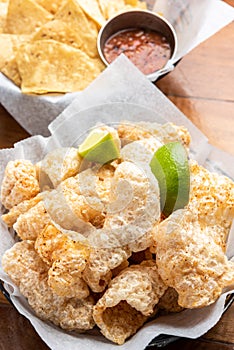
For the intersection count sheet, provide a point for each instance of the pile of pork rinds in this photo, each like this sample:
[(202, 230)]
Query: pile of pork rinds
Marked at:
[(93, 247)]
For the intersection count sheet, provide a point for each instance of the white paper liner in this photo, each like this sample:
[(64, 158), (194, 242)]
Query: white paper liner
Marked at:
[(134, 98), (194, 21)]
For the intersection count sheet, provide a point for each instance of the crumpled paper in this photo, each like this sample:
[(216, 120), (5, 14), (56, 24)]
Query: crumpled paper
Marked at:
[(194, 21), (114, 96)]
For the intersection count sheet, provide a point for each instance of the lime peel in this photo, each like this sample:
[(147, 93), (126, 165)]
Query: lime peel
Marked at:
[(99, 146), (171, 168)]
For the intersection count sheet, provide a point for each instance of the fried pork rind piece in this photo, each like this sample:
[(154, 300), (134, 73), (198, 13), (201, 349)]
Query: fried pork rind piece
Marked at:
[(11, 217), (22, 260), (66, 259), (19, 183), (103, 182), (140, 151), (212, 198), (134, 208), (82, 198), (132, 212), (169, 301), (102, 265), (32, 222), (190, 260), (129, 300), (29, 272), (60, 164), (164, 133)]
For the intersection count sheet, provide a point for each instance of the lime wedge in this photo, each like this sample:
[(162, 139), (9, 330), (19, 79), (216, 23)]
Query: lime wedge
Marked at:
[(170, 167), (99, 146)]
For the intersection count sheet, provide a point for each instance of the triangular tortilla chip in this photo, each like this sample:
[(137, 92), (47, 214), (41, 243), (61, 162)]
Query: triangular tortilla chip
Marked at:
[(3, 14), (51, 6), (6, 45), (8, 65), (50, 66), (59, 31), (25, 16), (72, 14), (11, 71), (110, 8), (92, 10), (103, 5)]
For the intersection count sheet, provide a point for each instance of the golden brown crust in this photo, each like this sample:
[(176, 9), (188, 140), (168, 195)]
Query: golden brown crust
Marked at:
[(32, 222), (212, 198), (124, 300), (66, 260), (190, 260), (13, 214), (29, 272), (169, 132), (19, 183)]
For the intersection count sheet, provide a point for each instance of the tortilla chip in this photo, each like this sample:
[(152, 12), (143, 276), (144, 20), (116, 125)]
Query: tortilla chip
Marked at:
[(98, 62), (103, 7), (92, 10), (51, 6), (72, 14), (8, 64), (59, 31), (131, 2), (136, 3), (112, 7), (25, 16), (11, 71), (3, 14), (7, 49), (50, 66)]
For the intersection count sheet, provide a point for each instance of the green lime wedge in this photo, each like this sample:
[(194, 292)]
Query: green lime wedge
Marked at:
[(170, 167), (99, 146)]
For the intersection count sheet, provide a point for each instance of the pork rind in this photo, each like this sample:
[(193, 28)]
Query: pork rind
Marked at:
[(103, 182), (31, 223), (19, 183), (11, 217), (212, 198), (131, 214), (140, 151), (102, 265), (21, 261), (169, 301), (190, 260), (29, 272), (86, 207), (125, 306), (94, 232), (134, 208), (164, 133), (60, 164), (66, 259)]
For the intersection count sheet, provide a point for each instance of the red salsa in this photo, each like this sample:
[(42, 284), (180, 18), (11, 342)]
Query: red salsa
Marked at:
[(147, 49)]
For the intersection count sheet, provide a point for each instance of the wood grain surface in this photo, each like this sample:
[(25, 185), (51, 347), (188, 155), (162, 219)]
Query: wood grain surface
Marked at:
[(202, 87)]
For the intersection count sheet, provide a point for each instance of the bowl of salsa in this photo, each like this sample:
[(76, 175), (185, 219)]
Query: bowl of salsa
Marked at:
[(146, 38)]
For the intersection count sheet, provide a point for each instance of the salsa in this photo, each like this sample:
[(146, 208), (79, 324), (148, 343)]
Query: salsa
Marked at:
[(147, 49)]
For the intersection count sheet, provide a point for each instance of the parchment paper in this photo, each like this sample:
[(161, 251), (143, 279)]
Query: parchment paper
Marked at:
[(194, 21), (136, 98)]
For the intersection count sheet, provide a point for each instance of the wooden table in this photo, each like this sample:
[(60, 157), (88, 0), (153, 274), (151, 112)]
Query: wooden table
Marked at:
[(201, 86)]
